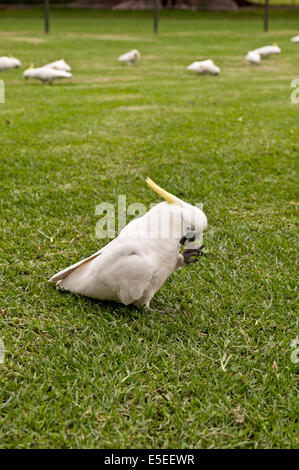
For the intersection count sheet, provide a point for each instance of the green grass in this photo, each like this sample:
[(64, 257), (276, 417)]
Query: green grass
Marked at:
[(84, 373)]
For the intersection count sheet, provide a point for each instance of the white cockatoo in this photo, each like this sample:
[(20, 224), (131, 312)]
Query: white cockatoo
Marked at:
[(266, 51), (9, 63), (253, 57), (59, 65), (45, 74), (295, 39), (132, 267), (204, 66), (130, 57)]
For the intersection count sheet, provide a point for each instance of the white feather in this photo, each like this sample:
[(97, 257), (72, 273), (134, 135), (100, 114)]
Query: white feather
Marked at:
[(130, 57), (253, 57), (59, 65), (133, 266), (46, 74), (203, 67), (266, 51), (9, 63)]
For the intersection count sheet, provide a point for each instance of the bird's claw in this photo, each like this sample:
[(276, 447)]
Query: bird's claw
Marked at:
[(154, 310), (191, 255)]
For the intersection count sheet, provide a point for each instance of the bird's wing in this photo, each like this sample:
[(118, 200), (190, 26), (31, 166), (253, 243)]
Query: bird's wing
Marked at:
[(122, 272), (59, 65), (62, 74), (65, 272), (124, 57), (130, 274), (194, 67)]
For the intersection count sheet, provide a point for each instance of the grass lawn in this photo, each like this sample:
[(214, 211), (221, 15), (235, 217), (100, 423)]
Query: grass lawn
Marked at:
[(216, 371)]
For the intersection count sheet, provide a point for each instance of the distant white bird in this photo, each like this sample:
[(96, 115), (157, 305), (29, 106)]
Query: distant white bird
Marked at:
[(130, 57), (59, 65), (9, 63), (133, 266), (295, 39), (204, 66), (253, 57), (266, 51), (45, 74)]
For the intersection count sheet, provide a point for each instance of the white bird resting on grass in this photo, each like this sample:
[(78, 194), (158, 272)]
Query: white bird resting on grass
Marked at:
[(253, 57), (130, 57), (295, 39), (59, 65), (266, 51), (132, 267), (9, 63), (204, 66), (45, 74)]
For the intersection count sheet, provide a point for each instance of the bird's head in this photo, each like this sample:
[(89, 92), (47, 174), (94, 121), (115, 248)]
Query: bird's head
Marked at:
[(136, 53), (16, 63), (277, 48), (193, 221), (27, 73)]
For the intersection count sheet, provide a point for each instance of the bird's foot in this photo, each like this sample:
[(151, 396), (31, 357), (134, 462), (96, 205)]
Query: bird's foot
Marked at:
[(191, 255), (154, 310), (147, 309)]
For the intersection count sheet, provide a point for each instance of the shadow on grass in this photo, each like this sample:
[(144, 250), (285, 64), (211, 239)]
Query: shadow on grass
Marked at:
[(96, 306), (114, 309)]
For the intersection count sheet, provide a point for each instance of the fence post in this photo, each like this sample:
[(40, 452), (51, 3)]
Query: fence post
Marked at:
[(266, 16), (47, 21), (156, 15)]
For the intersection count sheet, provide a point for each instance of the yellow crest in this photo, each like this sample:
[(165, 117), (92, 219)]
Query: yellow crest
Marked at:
[(170, 198)]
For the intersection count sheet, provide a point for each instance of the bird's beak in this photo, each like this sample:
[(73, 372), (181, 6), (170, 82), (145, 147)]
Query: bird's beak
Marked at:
[(189, 240)]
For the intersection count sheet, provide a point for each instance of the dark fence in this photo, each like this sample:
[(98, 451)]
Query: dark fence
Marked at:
[(163, 4)]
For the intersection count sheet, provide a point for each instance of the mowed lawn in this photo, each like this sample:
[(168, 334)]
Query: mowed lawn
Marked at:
[(216, 369)]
